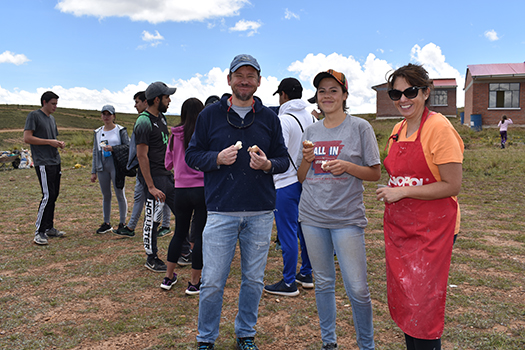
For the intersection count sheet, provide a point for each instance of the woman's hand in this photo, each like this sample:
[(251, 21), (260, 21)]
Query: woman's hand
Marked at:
[(366, 173), (108, 148), (336, 167), (93, 177), (308, 154), (450, 185), (390, 194)]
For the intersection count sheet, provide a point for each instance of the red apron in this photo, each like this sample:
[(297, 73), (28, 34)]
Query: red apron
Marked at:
[(419, 236)]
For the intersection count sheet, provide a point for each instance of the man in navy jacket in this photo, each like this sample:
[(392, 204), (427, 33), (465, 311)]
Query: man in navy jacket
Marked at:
[(240, 197)]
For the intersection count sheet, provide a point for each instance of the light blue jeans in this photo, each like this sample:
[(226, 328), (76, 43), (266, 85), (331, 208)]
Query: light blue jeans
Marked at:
[(349, 243), (219, 240)]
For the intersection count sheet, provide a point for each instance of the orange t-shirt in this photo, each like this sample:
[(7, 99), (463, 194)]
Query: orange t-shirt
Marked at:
[(441, 145)]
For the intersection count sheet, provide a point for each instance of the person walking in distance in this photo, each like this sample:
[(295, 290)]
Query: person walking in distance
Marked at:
[(503, 126)]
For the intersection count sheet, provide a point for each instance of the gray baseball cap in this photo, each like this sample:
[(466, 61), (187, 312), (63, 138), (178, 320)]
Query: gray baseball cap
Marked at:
[(158, 88), (108, 108), (244, 60)]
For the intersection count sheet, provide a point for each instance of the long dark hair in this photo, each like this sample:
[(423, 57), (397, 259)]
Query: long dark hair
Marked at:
[(188, 117)]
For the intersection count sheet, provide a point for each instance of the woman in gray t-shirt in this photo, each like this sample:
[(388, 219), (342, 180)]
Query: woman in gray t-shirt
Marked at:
[(343, 152)]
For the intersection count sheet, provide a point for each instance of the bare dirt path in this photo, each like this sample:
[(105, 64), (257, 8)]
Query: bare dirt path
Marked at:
[(59, 128)]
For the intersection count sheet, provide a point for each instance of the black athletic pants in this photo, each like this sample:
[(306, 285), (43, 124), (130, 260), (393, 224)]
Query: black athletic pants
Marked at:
[(153, 211), (49, 178)]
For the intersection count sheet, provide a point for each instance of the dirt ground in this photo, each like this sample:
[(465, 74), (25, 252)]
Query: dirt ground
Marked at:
[(81, 288)]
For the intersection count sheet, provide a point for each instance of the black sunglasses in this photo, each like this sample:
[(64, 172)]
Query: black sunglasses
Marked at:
[(411, 92)]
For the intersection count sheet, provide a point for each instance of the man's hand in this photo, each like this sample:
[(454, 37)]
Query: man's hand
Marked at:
[(57, 144), (258, 161), (157, 194), (227, 156)]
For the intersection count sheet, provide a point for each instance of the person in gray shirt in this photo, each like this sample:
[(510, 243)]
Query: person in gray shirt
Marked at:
[(41, 133), (340, 154)]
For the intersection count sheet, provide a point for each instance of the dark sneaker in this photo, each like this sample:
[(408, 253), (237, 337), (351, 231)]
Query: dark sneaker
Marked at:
[(40, 238), (246, 344), (156, 265), (206, 346), (329, 346), (104, 228), (280, 288), (193, 289), (168, 283), (184, 260), (124, 231), (306, 281), (163, 231), (53, 232)]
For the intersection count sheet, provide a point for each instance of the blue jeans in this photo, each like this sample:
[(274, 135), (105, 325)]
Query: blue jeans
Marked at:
[(350, 244), (288, 229), (218, 248)]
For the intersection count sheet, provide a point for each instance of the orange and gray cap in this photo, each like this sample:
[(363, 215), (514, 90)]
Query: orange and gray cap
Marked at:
[(338, 76)]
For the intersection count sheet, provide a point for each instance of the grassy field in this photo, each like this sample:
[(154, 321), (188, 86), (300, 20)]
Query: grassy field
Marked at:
[(87, 291)]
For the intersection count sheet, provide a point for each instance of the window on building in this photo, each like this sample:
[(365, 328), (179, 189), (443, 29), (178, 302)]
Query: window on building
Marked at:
[(504, 95), (439, 98)]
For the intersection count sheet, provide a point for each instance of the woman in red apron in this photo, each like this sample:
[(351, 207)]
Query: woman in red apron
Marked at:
[(421, 210)]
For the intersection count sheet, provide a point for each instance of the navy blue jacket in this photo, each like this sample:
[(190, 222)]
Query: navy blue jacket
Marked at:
[(237, 187)]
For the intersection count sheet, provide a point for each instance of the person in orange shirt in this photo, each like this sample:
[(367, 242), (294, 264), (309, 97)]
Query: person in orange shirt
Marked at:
[(421, 217)]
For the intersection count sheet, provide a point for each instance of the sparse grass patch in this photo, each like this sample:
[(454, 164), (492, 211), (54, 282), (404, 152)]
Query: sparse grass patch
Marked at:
[(84, 289)]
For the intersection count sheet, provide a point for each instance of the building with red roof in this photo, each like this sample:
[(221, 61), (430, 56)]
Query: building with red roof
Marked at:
[(494, 90)]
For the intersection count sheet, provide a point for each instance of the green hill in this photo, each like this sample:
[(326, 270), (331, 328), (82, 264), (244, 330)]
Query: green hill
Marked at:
[(14, 116)]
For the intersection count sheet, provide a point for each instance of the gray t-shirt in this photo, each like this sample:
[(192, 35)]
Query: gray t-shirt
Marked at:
[(43, 127), (336, 201)]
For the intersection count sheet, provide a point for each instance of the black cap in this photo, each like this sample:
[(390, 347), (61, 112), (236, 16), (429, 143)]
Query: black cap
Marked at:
[(212, 99), (158, 88), (289, 85)]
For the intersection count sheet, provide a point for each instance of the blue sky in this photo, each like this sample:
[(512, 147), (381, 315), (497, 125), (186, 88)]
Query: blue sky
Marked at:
[(95, 52)]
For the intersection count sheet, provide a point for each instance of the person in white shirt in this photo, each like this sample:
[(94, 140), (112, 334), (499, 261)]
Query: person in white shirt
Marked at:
[(294, 119)]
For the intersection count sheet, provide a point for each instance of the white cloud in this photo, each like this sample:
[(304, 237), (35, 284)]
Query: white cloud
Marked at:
[(361, 77), (246, 26), (147, 36), (10, 57), (491, 35), (154, 11), (153, 39), (433, 60), (290, 15)]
